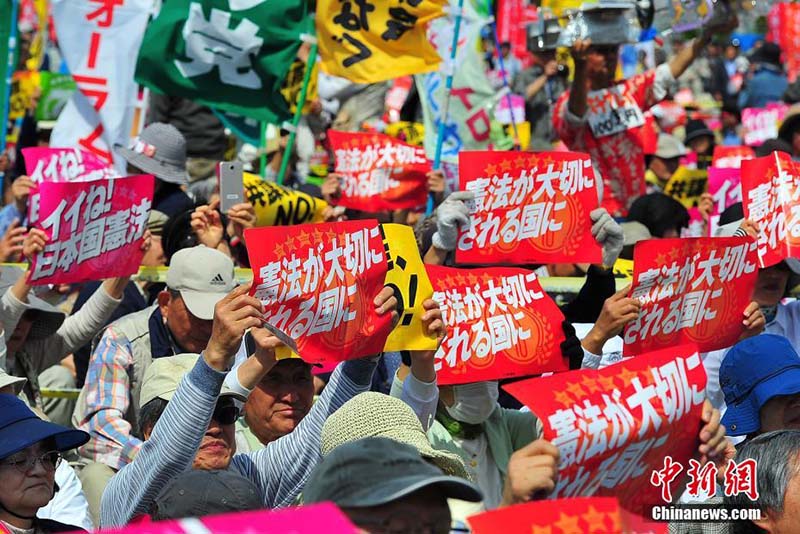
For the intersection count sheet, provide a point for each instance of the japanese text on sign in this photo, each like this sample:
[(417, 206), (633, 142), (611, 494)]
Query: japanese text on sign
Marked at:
[(317, 285), (533, 208), (686, 287), (771, 196), (614, 426), (379, 172), (500, 323), (92, 226)]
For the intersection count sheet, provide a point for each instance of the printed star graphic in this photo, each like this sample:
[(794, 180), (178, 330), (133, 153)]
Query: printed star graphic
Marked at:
[(536, 529), (563, 398), (460, 279), (486, 277), (289, 242), (661, 259), (506, 165), (627, 376), (568, 524), (595, 521), (520, 162), (317, 236), (606, 383), (576, 390), (279, 252), (330, 235), (590, 385), (472, 279), (304, 239), (533, 161), (490, 170)]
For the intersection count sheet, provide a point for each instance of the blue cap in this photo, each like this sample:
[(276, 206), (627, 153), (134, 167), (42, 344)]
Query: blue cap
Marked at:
[(754, 371), (20, 428)]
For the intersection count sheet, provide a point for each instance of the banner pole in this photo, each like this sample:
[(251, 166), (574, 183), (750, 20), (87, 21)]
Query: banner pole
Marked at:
[(262, 167), (437, 158), (12, 48), (504, 75), (312, 59)]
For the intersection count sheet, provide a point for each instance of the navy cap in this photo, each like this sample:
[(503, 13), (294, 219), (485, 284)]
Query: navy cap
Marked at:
[(754, 371)]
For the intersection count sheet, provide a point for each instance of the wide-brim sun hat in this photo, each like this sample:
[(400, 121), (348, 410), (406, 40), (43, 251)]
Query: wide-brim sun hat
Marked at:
[(159, 150), (372, 414), (20, 428), (48, 319)]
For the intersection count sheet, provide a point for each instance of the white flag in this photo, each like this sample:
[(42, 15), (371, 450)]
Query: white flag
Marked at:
[(100, 41)]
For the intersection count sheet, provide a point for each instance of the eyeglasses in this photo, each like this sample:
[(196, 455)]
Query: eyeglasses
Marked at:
[(49, 460), (225, 414)]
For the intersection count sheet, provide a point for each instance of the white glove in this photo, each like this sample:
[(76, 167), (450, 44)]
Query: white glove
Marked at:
[(608, 233), (449, 215)]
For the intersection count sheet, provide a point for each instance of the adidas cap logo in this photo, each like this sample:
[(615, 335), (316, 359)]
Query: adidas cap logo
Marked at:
[(218, 280)]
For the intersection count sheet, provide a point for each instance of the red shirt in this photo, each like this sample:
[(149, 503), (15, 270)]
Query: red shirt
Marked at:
[(612, 133)]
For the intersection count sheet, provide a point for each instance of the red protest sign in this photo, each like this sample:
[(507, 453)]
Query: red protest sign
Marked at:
[(693, 290), (500, 324), (94, 229), (771, 198), (614, 426), (317, 283), (379, 172), (563, 516), (731, 157), (528, 208)]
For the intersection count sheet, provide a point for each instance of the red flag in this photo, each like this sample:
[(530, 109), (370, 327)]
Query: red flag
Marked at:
[(500, 324), (771, 198), (692, 291), (528, 208), (615, 426), (563, 516), (317, 283), (379, 172), (94, 229)]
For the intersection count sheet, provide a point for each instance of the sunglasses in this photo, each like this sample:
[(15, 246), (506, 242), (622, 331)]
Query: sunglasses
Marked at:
[(225, 414), (49, 460)]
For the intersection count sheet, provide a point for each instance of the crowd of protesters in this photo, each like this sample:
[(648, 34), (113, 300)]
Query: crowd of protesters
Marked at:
[(179, 390)]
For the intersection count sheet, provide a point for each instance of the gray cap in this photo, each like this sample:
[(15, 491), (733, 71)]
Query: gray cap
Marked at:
[(159, 150), (203, 276), (197, 493), (375, 471), (669, 147)]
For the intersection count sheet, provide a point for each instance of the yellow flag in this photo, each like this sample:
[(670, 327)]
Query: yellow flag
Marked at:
[(292, 85), (280, 206), (407, 274), (369, 41), (623, 268), (686, 186), (412, 133), (23, 87)]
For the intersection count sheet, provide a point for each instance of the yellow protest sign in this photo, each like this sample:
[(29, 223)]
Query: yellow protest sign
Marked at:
[(623, 269), (686, 186), (23, 86), (559, 6), (412, 133), (369, 41), (280, 206), (293, 83), (523, 131), (408, 276)]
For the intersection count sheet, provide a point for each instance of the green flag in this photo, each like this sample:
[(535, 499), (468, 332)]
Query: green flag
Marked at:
[(57, 89), (229, 55)]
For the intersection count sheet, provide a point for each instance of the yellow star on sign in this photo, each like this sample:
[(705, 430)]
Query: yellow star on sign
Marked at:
[(595, 521), (535, 529), (563, 398), (490, 170), (568, 524), (506, 165)]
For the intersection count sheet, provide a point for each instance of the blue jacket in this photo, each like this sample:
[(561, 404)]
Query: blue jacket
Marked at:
[(767, 85)]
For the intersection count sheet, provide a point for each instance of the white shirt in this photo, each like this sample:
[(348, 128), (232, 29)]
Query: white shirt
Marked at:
[(69, 505)]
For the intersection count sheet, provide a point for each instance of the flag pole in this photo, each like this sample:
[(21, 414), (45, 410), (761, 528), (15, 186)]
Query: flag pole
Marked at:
[(262, 167), (298, 113), (437, 158), (12, 48), (504, 75)]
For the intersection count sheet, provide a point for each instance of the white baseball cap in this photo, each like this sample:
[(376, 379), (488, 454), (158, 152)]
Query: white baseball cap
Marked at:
[(203, 276)]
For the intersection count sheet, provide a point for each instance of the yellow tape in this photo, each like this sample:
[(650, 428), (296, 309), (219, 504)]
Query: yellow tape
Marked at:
[(66, 393)]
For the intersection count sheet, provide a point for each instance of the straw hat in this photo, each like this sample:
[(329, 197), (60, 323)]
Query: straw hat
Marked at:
[(373, 414)]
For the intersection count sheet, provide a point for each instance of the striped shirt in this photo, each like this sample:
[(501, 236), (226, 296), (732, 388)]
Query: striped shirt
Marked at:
[(280, 470)]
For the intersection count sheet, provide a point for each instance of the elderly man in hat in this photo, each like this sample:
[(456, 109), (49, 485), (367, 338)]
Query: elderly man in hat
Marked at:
[(605, 118), (160, 150), (180, 321), (182, 437), (768, 81)]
